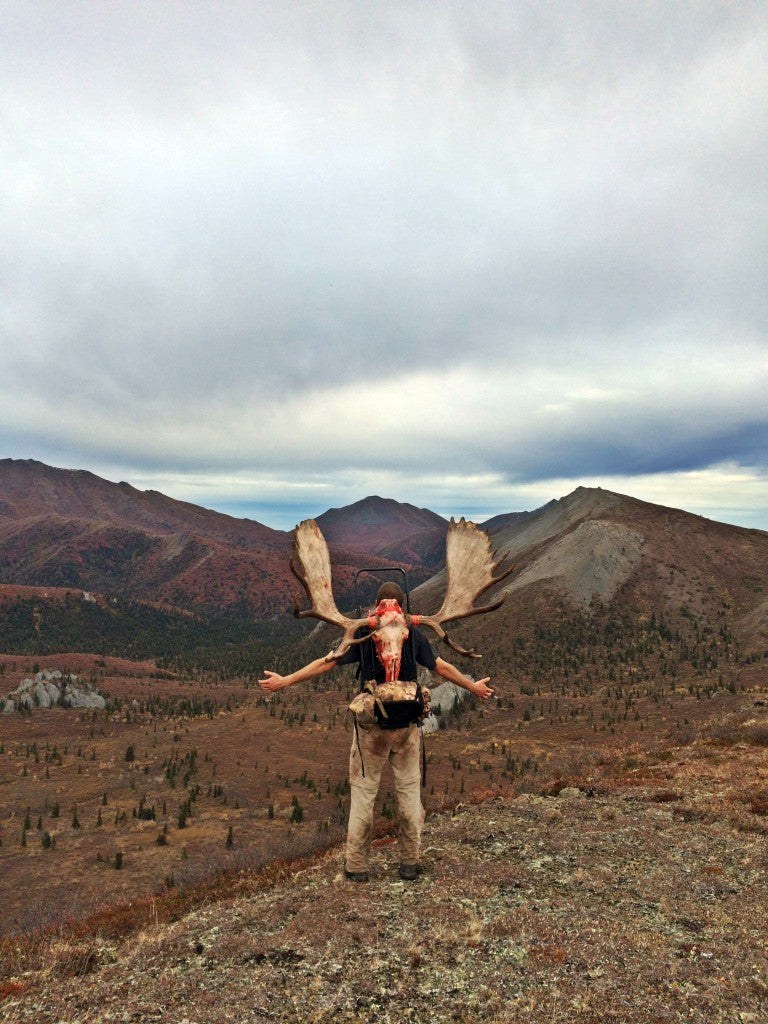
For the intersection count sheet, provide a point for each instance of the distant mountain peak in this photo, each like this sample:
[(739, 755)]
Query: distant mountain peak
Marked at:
[(377, 508), (388, 529)]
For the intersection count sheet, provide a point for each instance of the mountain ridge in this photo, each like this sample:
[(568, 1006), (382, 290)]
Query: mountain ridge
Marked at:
[(393, 530), (595, 545), (70, 529)]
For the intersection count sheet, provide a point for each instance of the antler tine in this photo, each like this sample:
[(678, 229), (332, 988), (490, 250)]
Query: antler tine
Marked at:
[(314, 574), (471, 569), (307, 612)]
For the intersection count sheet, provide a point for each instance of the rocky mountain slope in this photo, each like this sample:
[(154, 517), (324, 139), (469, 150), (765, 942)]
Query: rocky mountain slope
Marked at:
[(505, 520), (595, 547)]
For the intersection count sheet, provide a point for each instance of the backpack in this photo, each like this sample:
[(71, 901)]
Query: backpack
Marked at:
[(397, 714), (391, 705)]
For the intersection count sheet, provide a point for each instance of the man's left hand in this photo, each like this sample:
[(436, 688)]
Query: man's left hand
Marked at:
[(481, 689)]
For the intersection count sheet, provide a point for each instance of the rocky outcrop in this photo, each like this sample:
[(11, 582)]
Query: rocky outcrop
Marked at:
[(50, 689), (444, 699)]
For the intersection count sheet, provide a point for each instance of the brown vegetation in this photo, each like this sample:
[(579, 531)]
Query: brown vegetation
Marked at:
[(176, 767), (596, 904), (596, 843)]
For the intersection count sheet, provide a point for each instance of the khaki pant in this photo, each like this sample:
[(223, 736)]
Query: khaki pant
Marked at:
[(402, 748)]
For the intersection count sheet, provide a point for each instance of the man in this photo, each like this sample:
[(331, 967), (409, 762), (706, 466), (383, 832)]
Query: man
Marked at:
[(373, 748)]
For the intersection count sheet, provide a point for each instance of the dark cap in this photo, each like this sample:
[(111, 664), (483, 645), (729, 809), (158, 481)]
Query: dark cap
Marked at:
[(390, 592)]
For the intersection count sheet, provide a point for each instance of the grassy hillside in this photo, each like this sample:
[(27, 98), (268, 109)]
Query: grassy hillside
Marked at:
[(229, 642), (633, 893)]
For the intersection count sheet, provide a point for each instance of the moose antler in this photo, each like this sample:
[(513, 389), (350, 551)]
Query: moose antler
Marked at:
[(314, 573), (470, 565)]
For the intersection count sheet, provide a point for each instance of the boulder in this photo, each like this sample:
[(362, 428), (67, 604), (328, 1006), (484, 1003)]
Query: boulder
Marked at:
[(53, 692), (40, 696), (42, 692), (75, 697), (444, 697)]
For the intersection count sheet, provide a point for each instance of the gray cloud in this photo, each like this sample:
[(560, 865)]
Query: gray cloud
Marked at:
[(237, 234)]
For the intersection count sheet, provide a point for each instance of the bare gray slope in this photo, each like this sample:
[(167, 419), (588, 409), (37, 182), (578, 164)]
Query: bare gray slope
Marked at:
[(595, 558), (570, 541), (594, 543)]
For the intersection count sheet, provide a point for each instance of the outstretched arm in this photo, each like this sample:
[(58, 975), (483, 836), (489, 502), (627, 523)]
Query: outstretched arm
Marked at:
[(273, 681), (448, 671)]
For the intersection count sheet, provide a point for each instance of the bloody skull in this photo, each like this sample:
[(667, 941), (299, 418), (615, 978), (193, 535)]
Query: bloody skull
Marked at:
[(389, 635)]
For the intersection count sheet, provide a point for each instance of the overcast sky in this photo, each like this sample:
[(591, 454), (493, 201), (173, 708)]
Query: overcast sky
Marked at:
[(272, 257)]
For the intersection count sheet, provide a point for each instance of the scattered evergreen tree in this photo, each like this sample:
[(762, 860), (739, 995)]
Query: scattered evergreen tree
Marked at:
[(297, 814)]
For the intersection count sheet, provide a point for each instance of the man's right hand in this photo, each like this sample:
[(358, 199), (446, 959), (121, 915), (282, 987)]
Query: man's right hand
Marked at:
[(272, 681)]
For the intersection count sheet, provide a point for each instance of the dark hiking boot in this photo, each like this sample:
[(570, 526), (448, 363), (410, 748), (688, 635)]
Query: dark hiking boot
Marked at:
[(409, 872), (356, 876)]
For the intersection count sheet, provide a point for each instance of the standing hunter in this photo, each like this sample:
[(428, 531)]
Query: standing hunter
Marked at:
[(387, 646)]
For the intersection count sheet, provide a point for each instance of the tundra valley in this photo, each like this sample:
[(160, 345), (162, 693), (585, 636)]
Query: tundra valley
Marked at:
[(630, 668)]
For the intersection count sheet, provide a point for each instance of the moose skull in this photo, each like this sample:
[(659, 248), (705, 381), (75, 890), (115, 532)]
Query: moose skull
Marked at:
[(389, 635)]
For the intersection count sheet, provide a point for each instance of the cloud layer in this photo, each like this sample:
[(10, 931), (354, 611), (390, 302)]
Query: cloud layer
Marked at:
[(261, 254)]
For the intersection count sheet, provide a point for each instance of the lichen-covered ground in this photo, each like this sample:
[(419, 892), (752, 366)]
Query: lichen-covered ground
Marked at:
[(639, 896)]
